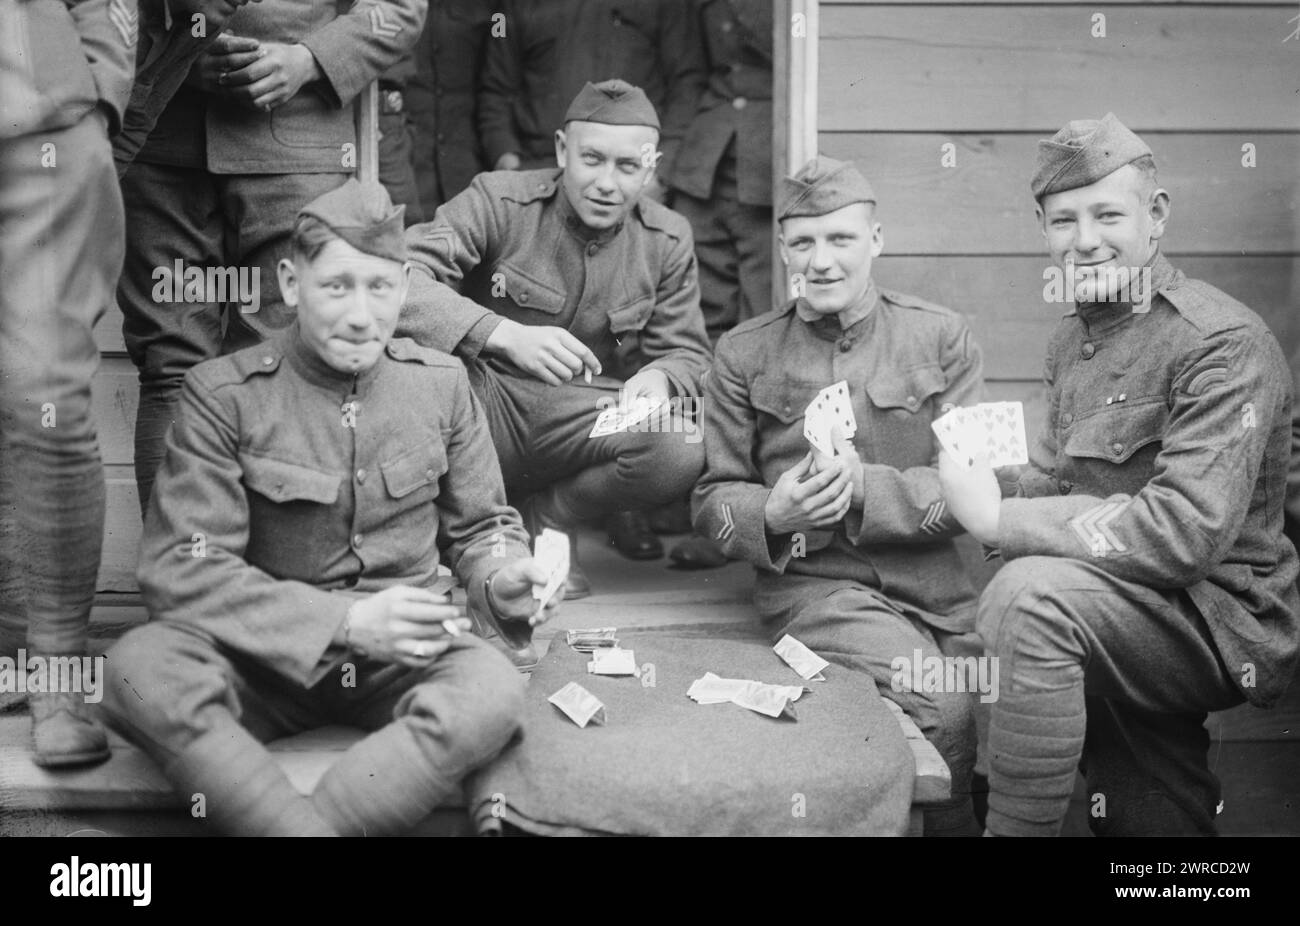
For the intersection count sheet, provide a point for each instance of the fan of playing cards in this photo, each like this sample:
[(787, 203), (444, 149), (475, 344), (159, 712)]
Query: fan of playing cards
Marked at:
[(994, 428), (621, 417), (831, 407)]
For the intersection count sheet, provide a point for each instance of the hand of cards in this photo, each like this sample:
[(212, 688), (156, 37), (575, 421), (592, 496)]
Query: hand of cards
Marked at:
[(830, 407), (993, 428), (772, 700), (551, 550), (591, 639), (622, 417)]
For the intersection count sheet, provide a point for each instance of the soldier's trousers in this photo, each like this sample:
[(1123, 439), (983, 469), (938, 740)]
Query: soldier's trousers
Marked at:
[(860, 628), (60, 254), (1104, 674), (203, 712), (733, 245), (241, 222), (541, 437)]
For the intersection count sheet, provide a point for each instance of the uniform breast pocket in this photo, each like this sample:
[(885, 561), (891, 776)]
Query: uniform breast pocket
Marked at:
[(411, 477), (780, 405), (633, 316), (1117, 446), (526, 290), (903, 405), (284, 483)]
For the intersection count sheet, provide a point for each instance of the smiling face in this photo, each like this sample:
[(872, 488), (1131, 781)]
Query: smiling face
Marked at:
[(347, 301), (832, 254), (1111, 224), (605, 168)]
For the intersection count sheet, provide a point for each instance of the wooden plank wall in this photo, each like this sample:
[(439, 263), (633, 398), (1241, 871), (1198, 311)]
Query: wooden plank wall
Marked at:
[(1198, 81)]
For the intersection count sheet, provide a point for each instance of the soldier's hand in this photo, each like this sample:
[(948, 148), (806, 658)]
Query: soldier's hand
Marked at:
[(228, 52), (973, 496), (551, 354), (508, 161), (275, 78), (650, 384), (846, 456), (803, 500), (512, 592), (405, 625)]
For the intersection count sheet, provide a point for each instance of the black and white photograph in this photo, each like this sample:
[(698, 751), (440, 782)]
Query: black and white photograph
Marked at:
[(722, 418)]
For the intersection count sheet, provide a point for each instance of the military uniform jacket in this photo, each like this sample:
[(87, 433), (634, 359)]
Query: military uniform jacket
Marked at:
[(289, 490), (511, 247), (735, 108), (59, 59), (551, 48), (1164, 463), (309, 133), (904, 363)]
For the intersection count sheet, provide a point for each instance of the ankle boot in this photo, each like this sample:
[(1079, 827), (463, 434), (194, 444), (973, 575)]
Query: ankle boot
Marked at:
[(630, 533), (62, 734)]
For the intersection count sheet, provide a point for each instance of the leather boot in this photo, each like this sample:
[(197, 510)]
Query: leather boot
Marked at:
[(630, 533), (673, 518), (62, 734), (541, 511), (698, 552)]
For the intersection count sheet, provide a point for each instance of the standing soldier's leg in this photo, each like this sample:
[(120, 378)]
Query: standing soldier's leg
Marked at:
[(752, 227), (1064, 630), (173, 216), (396, 166), (260, 211), (60, 254)]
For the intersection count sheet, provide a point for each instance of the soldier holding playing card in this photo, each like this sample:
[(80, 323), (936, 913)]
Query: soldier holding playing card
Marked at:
[(851, 537), (544, 281), (1147, 579), (312, 486)]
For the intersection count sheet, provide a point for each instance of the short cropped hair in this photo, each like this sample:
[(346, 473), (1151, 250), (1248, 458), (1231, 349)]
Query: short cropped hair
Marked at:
[(1148, 183)]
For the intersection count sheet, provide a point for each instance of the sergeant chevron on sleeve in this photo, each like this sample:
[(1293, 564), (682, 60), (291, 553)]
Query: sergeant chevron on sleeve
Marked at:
[(1148, 580)]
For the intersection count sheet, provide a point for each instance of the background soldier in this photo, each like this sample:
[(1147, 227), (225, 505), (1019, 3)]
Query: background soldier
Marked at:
[(262, 126), (65, 76), (562, 273), (722, 183), (854, 552), (311, 488), (1148, 581), (442, 98)]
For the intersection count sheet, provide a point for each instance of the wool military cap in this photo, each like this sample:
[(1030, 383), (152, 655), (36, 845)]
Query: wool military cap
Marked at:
[(1082, 153), (363, 216), (613, 102), (821, 186)]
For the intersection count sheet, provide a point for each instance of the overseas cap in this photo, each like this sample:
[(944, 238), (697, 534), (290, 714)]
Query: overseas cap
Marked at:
[(821, 186), (1082, 153), (613, 102), (364, 217)]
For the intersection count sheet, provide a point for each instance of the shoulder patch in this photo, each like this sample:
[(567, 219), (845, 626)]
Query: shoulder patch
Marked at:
[(915, 302), (1208, 309), (407, 351)]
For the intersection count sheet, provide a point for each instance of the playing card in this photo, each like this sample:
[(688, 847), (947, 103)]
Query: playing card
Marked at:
[(800, 658), (620, 418), (551, 549), (612, 661), (579, 704), (832, 406), (772, 700), (993, 428)]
